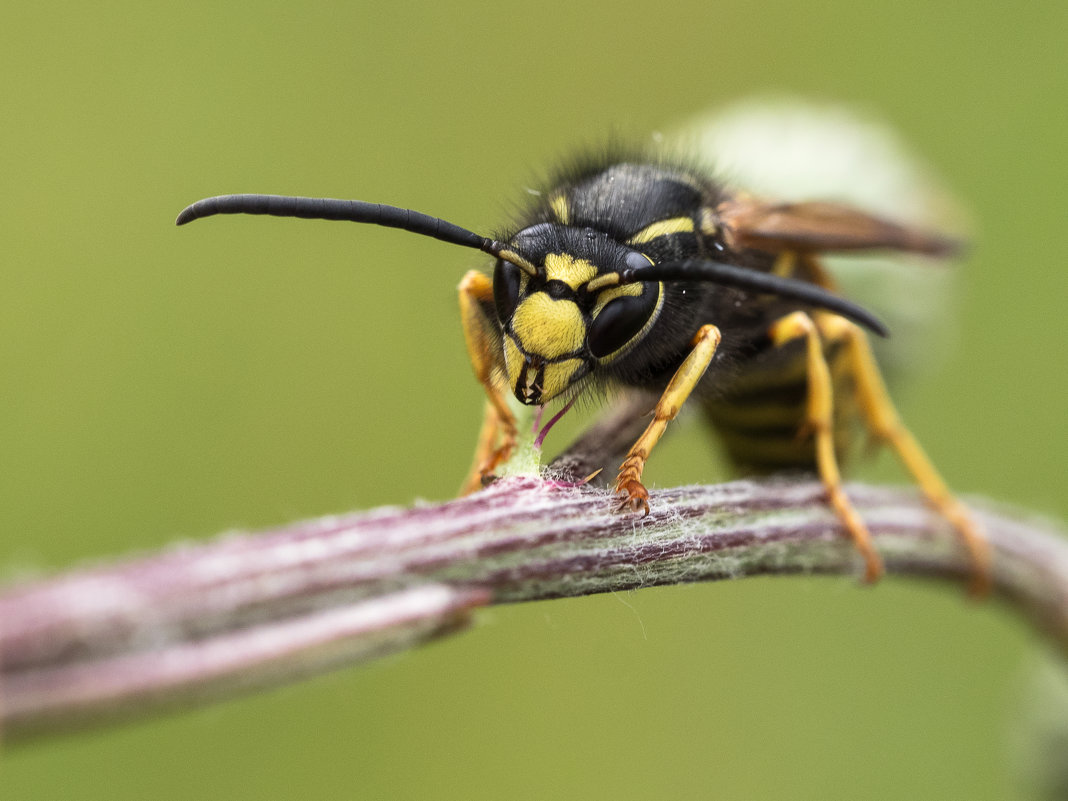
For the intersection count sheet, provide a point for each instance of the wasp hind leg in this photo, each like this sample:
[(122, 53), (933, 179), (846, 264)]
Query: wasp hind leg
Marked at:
[(819, 423), (497, 439), (885, 426), (629, 487)]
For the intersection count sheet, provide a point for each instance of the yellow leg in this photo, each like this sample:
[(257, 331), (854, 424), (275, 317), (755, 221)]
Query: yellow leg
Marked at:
[(791, 264), (785, 264), (885, 425), (496, 441), (819, 418), (818, 274), (485, 447), (628, 483)]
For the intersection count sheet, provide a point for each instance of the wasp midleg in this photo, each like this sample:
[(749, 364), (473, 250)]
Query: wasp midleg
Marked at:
[(884, 424), (818, 423), (798, 409)]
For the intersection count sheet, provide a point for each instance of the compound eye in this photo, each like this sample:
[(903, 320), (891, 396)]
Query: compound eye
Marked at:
[(506, 278), (619, 322)]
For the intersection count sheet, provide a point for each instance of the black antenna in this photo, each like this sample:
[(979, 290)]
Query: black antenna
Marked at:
[(756, 281), (310, 208)]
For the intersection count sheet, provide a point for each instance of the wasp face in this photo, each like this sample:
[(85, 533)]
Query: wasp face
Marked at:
[(555, 330)]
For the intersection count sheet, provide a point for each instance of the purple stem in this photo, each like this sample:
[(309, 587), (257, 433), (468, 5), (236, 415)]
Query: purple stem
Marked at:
[(251, 610)]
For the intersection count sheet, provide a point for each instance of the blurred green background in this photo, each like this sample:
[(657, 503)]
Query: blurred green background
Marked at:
[(163, 383)]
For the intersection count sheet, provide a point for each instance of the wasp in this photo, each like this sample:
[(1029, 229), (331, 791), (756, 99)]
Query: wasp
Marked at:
[(644, 273)]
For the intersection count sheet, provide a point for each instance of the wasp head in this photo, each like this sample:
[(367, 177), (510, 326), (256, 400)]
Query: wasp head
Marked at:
[(570, 317)]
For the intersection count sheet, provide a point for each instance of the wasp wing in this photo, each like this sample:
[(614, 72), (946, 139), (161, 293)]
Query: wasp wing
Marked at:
[(820, 227)]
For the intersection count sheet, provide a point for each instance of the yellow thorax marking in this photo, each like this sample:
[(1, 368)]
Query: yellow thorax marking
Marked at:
[(558, 205), (676, 225), (548, 328), (564, 267), (709, 221)]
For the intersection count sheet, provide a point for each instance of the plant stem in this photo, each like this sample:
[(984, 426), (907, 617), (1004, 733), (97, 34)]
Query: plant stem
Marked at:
[(210, 621)]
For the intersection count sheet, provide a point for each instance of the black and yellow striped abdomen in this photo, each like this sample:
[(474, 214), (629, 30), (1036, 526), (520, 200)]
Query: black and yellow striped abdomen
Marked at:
[(760, 412)]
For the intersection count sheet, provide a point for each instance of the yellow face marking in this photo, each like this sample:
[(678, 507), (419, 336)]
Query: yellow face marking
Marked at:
[(548, 328), (558, 205), (634, 290), (558, 377), (676, 225), (564, 267), (513, 360), (514, 258), (608, 279)]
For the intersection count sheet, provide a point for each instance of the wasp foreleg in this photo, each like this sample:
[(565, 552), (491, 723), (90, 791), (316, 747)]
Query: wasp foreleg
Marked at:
[(628, 483), (496, 441)]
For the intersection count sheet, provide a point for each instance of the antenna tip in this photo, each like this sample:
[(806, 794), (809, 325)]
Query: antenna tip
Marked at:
[(186, 215)]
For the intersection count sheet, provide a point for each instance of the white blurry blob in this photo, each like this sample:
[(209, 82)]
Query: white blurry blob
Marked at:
[(789, 149)]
